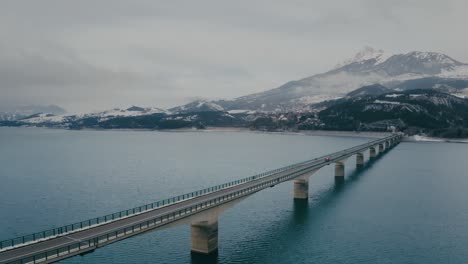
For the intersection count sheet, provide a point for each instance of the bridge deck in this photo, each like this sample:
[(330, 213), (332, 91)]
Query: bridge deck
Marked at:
[(81, 241)]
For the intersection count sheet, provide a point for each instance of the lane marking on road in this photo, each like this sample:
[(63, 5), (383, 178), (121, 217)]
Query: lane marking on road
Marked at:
[(74, 239)]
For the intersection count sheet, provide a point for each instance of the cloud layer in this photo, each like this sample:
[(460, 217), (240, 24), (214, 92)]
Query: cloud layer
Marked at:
[(91, 55)]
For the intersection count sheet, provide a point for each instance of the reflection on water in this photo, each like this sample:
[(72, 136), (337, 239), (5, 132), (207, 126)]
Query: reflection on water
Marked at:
[(204, 259), (301, 214), (369, 217)]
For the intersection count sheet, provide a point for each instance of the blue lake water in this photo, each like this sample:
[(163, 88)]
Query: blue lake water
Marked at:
[(409, 206)]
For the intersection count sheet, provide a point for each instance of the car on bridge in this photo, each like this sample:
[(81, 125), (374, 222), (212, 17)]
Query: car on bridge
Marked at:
[(327, 159), (273, 185)]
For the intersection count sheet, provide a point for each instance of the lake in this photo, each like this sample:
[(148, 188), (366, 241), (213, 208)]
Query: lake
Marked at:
[(408, 206)]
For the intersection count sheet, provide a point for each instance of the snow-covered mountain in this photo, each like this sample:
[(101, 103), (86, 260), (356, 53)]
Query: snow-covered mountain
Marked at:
[(195, 116), (422, 108), (118, 112), (366, 53), (387, 80), (10, 113), (368, 67), (65, 120), (197, 106)]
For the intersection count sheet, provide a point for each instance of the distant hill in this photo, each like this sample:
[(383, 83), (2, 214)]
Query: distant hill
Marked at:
[(197, 106), (423, 108), (11, 113), (413, 111), (375, 89)]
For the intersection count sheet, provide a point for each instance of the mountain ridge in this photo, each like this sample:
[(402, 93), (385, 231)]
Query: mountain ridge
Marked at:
[(367, 70), (304, 104)]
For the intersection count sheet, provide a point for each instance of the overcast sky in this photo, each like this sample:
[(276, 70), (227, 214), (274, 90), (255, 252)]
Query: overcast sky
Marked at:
[(88, 55)]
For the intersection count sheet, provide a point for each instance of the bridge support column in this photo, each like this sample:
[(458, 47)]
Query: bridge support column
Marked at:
[(381, 148), (204, 236), (372, 153), (339, 170), (301, 189), (387, 144), (359, 160)]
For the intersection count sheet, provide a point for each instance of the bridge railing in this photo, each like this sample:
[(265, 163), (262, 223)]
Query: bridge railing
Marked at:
[(59, 231)]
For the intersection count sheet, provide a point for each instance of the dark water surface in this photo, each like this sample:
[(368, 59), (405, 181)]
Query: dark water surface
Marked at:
[(409, 206)]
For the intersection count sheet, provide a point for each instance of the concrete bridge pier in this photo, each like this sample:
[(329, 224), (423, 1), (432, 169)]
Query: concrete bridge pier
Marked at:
[(204, 236), (301, 189), (301, 186), (387, 144), (381, 148), (372, 153), (339, 170), (359, 160)]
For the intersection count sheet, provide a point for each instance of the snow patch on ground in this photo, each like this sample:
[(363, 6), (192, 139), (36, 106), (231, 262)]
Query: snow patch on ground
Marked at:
[(393, 95), (313, 99), (118, 112), (463, 93), (388, 106), (45, 118), (386, 102), (101, 116), (241, 111)]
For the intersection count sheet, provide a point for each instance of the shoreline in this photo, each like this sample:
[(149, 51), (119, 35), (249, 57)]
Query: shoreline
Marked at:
[(333, 133), (329, 133)]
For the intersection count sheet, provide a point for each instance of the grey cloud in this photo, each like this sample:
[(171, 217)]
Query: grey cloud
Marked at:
[(28, 70), (97, 54)]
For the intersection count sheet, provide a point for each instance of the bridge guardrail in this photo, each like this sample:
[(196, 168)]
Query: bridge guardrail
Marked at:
[(67, 229)]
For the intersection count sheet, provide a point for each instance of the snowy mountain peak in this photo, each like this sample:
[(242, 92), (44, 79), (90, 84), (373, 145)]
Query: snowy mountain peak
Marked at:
[(368, 67), (365, 54), (433, 57), (198, 106), (210, 105), (135, 109)]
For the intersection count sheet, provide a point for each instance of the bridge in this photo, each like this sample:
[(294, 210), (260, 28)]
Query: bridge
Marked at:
[(200, 209)]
